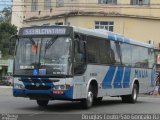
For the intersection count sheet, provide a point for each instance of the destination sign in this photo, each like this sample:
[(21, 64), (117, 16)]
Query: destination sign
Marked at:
[(44, 31)]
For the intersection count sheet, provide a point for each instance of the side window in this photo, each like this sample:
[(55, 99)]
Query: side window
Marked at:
[(116, 52), (107, 55), (126, 51), (143, 55), (92, 49), (135, 56), (139, 57), (100, 51)]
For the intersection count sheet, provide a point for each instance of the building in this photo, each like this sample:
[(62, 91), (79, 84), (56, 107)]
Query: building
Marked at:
[(136, 19)]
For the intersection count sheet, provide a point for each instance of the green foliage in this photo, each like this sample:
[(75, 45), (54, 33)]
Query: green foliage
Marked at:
[(8, 28), (6, 31), (7, 12)]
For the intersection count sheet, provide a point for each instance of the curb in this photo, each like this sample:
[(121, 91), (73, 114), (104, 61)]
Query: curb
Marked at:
[(152, 96), (5, 86)]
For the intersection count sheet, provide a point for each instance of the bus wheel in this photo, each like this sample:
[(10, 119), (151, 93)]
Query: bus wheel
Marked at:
[(88, 102), (131, 98), (42, 103)]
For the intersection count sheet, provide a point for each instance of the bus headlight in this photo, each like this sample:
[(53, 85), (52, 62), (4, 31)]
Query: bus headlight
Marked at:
[(61, 87), (18, 86)]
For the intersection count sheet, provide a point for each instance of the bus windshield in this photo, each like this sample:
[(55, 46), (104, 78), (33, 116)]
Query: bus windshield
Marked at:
[(49, 55)]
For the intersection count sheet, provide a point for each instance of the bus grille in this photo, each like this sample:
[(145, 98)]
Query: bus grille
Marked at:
[(40, 87)]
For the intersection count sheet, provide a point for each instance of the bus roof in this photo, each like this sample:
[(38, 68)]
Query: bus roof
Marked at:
[(110, 36)]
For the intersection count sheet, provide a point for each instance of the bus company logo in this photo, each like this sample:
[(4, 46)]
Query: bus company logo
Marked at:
[(141, 73)]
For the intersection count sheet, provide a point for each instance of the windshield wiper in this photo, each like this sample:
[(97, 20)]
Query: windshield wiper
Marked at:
[(50, 42), (32, 41)]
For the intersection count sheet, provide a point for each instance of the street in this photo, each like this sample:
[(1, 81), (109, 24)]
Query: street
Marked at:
[(109, 105)]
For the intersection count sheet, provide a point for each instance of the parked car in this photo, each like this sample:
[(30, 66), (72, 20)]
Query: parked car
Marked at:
[(5, 83), (9, 80)]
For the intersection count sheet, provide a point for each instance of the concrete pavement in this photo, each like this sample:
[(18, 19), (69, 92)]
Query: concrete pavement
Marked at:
[(5, 86)]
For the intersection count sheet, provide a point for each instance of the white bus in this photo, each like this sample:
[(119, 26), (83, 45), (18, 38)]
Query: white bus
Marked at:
[(78, 64)]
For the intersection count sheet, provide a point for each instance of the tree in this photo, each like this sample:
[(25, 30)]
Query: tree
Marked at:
[(7, 12), (6, 31)]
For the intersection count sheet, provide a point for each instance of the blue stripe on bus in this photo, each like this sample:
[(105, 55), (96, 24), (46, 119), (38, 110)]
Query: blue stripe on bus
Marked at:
[(108, 78), (120, 38), (118, 78), (126, 79), (111, 36), (126, 40)]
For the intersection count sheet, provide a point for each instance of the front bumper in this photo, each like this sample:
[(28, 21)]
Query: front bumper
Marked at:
[(43, 88), (44, 94)]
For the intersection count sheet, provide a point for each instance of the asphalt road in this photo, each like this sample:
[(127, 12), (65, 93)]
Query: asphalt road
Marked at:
[(58, 109)]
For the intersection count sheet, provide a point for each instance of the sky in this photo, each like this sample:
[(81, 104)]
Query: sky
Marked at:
[(5, 3)]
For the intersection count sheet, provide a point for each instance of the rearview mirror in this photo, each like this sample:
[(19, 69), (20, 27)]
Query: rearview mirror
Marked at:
[(12, 44)]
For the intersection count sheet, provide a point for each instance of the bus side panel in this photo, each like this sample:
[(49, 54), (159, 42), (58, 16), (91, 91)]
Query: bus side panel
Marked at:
[(81, 82), (145, 78), (113, 80)]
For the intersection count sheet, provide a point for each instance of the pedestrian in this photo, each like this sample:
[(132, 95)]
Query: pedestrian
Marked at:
[(158, 82)]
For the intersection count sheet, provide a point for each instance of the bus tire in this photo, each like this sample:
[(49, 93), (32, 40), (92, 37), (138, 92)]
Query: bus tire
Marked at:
[(42, 103), (88, 102), (131, 98)]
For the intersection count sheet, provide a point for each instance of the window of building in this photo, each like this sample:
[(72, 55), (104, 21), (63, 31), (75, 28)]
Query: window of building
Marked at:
[(60, 3), (59, 23), (34, 6), (107, 25), (107, 1), (47, 4), (140, 2), (46, 24)]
